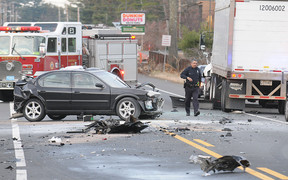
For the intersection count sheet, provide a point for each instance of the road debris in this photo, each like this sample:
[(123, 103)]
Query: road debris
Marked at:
[(182, 129), (114, 126), (225, 120), (55, 140), (224, 163), (10, 168), (226, 129), (229, 134)]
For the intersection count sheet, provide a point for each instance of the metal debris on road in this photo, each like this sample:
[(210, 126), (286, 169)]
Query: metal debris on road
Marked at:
[(225, 120), (226, 129), (229, 134), (224, 163), (55, 140), (114, 126), (10, 168)]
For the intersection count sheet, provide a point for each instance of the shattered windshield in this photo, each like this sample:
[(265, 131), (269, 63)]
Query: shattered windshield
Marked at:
[(4, 45), (27, 45)]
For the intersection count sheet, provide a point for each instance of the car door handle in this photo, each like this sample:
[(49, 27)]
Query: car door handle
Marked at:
[(77, 92), (42, 91)]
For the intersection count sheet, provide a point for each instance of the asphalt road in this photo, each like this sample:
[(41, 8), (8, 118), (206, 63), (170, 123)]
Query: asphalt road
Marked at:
[(161, 151)]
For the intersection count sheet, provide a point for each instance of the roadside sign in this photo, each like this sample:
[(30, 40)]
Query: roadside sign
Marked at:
[(133, 29), (166, 40), (129, 18)]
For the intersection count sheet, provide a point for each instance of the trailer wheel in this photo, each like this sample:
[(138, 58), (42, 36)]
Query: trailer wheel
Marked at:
[(126, 107), (281, 107), (263, 103), (223, 96), (286, 110), (34, 110)]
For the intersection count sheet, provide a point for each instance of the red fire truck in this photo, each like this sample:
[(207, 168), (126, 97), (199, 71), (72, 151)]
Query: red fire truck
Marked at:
[(28, 49)]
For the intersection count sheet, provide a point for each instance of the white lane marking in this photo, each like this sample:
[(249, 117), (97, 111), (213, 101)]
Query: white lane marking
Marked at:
[(170, 93), (269, 119), (21, 174), (19, 152)]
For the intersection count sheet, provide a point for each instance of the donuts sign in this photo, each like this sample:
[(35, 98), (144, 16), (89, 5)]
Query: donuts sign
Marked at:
[(133, 18)]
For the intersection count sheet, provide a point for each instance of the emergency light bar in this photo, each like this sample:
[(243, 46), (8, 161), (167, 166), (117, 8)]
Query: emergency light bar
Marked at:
[(20, 28), (112, 36)]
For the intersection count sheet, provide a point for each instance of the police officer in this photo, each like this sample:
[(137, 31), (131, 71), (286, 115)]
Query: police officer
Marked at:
[(192, 76)]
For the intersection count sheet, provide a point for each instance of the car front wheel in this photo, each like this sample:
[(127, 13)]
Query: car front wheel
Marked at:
[(127, 107), (34, 110)]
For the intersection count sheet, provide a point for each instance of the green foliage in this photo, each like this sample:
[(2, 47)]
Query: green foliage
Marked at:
[(189, 40), (38, 12), (108, 11)]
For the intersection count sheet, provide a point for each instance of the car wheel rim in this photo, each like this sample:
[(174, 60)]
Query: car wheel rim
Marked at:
[(33, 110), (126, 109)]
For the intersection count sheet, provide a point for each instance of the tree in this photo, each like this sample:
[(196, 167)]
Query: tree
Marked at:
[(189, 42), (108, 11)]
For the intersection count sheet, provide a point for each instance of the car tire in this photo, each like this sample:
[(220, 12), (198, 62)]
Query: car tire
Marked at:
[(34, 110), (56, 116), (281, 107), (126, 107)]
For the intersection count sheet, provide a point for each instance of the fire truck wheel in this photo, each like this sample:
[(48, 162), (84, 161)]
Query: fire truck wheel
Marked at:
[(34, 110), (56, 117), (126, 107)]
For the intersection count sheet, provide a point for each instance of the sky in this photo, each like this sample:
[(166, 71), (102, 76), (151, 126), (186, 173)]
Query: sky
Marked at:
[(57, 2)]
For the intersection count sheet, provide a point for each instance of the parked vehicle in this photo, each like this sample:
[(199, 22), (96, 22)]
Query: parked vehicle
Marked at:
[(249, 54), (112, 51), (201, 89), (30, 48), (83, 92)]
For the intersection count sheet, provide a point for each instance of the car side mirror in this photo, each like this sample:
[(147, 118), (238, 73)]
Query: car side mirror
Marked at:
[(99, 85)]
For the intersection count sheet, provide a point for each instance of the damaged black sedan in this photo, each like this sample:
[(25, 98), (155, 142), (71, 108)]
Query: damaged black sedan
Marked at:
[(83, 92)]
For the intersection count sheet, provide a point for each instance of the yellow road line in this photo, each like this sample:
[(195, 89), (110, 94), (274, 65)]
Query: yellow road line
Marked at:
[(248, 170), (203, 142), (273, 173)]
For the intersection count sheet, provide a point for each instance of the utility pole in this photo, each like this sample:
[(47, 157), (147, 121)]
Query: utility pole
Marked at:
[(173, 49), (67, 13), (210, 16), (4, 12), (166, 17), (1, 12), (78, 14), (12, 14), (179, 19), (59, 14)]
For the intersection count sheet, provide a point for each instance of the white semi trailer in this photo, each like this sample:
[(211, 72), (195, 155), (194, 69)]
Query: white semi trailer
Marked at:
[(250, 54)]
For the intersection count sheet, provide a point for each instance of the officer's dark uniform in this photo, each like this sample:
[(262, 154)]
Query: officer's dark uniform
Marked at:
[(191, 88)]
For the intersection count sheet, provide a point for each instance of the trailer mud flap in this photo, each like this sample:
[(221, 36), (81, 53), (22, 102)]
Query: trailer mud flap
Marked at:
[(232, 87)]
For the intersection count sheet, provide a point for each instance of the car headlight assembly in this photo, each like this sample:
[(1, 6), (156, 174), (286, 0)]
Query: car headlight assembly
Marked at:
[(148, 104)]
